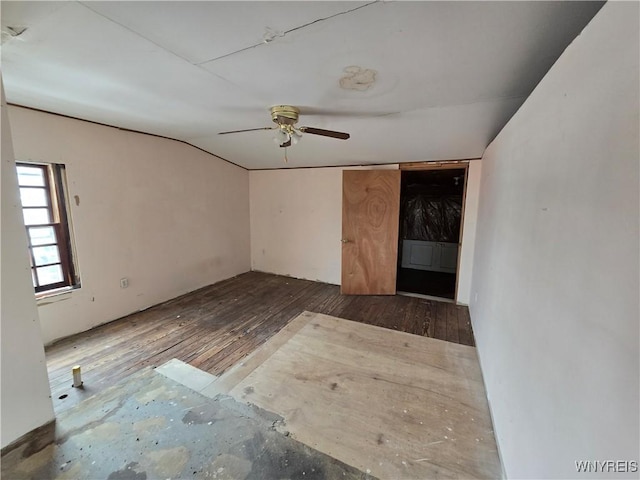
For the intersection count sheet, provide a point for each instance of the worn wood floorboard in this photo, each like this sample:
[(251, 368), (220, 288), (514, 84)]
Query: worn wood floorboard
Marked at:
[(464, 326), (218, 325)]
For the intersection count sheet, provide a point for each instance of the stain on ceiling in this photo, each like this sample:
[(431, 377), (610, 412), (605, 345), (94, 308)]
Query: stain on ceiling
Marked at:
[(410, 81)]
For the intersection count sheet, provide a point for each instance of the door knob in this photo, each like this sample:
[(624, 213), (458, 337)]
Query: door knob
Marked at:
[(345, 240)]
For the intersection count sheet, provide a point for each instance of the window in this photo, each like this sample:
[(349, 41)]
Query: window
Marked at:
[(48, 231)]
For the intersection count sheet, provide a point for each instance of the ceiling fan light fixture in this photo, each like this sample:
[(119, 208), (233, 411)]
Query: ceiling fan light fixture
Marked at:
[(281, 137), (295, 136)]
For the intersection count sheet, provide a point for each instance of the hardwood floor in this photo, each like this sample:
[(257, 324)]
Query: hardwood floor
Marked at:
[(216, 326)]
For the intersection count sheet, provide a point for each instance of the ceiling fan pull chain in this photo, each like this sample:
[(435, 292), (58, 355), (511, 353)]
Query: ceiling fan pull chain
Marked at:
[(286, 160)]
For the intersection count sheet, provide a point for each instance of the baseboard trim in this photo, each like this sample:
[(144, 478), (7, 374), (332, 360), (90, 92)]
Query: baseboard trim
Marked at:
[(34, 441)]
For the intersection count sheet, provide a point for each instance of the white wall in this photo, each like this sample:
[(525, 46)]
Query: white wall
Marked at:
[(296, 223), (167, 216), (555, 279), (26, 402)]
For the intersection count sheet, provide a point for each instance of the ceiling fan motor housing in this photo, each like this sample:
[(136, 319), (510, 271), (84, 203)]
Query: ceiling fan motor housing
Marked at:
[(284, 114)]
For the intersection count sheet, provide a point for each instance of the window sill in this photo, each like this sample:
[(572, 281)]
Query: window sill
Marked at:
[(50, 296)]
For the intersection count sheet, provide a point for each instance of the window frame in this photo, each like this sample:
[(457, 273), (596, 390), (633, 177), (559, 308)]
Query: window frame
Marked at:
[(54, 187)]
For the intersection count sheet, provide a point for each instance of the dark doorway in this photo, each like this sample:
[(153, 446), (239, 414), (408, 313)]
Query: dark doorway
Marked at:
[(430, 221)]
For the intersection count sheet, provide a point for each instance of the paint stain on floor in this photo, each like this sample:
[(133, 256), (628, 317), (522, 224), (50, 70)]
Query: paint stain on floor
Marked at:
[(149, 426)]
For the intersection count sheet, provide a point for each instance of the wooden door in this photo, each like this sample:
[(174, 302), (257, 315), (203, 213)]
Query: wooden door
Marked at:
[(370, 212)]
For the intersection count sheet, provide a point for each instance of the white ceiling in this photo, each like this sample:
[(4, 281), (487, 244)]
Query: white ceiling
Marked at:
[(449, 74)]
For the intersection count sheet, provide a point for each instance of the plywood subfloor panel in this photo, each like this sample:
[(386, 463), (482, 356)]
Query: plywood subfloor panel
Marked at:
[(215, 327), (388, 403)]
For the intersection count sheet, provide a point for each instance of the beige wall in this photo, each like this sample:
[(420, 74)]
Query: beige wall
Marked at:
[(167, 216), (556, 271), (26, 402), (296, 223)]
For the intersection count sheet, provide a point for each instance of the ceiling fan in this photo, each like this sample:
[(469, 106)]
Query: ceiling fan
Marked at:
[(285, 118)]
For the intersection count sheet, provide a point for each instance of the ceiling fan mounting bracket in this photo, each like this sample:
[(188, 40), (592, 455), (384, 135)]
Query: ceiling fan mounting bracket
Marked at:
[(284, 114)]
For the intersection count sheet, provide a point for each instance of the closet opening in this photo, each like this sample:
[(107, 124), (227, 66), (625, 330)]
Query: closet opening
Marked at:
[(431, 211)]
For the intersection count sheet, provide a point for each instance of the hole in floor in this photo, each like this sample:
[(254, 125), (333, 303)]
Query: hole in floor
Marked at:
[(62, 397)]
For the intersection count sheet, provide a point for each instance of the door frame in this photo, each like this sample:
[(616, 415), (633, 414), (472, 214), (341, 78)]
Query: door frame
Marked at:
[(445, 165)]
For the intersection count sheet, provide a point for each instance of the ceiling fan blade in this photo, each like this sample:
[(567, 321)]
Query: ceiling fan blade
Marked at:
[(248, 130), (325, 133)]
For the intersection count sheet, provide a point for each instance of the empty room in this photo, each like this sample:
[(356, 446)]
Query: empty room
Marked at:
[(320, 239)]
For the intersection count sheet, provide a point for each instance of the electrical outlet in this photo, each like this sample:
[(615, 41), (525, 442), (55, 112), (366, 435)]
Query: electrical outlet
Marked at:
[(124, 282)]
